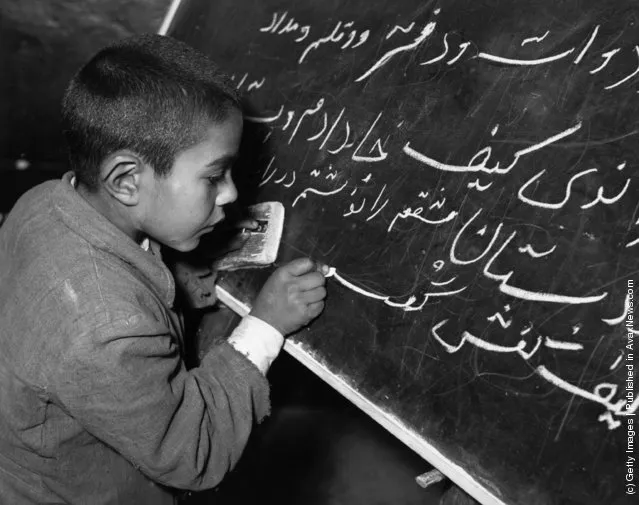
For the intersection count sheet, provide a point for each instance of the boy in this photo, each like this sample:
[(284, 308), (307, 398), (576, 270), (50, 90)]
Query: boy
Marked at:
[(97, 406)]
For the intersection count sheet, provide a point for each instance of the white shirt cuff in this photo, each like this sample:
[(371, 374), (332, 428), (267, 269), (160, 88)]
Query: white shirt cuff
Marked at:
[(258, 341)]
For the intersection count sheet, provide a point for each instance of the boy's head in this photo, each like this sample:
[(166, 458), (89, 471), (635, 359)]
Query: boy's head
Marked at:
[(153, 125), (151, 94)]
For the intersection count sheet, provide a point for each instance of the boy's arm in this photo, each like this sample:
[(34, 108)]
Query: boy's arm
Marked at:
[(125, 382)]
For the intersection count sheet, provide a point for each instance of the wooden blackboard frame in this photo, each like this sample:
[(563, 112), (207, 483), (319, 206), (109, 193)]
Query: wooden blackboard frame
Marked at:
[(386, 420)]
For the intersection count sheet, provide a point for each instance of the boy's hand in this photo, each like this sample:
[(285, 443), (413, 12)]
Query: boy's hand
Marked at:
[(196, 274), (292, 296), (231, 238)]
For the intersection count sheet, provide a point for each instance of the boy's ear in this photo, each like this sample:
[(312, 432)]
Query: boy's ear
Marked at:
[(121, 174)]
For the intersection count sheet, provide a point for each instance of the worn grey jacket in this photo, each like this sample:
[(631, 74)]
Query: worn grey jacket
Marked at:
[(96, 406)]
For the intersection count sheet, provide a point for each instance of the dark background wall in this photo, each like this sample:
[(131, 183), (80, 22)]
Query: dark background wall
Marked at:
[(42, 43)]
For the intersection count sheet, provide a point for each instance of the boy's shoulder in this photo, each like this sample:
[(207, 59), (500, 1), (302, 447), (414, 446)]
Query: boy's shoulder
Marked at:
[(52, 247), (33, 234), (30, 233), (65, 287), (30, 206)]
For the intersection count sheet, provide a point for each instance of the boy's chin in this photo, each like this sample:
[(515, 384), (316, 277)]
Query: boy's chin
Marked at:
[(186, 246)]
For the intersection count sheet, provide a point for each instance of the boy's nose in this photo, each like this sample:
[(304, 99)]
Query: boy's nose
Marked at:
[(227, 194)]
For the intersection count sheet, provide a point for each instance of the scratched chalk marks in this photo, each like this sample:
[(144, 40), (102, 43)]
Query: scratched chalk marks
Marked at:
[(365, 197), (469, 172)]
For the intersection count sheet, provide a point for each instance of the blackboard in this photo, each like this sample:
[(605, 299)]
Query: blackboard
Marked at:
[(469, 170)]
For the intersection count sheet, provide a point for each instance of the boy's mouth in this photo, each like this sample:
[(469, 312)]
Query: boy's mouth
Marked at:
[(210, 227), (207, 229), (220, 219)]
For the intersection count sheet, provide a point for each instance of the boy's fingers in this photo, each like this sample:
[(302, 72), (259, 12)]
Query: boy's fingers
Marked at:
[(299, 266), (232, 226), (322, 268), (315, 295), (249, 224), (315, 309), (236, 243), (310, 281)]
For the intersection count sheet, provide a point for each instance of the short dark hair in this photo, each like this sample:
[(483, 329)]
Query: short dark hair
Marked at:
[(151, 94)]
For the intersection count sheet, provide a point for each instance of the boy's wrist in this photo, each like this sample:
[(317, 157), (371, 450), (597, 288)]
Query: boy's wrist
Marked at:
[(258, 341)]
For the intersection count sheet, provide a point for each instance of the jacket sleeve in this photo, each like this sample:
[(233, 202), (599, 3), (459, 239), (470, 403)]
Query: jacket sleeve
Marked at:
[(126, 383)]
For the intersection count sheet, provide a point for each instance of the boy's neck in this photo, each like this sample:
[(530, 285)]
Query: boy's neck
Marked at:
[(111, 210)]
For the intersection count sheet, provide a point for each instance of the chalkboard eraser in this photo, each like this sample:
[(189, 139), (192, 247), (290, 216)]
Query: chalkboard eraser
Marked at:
[(263, 243)]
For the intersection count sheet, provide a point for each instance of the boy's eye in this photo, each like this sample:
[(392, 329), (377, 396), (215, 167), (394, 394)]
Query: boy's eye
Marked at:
[(218, 176), (216, 179)]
